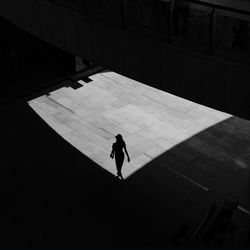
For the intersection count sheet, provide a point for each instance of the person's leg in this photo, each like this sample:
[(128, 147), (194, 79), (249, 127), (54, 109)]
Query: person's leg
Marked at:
[(120, 174), (119, 171), (119, 162)]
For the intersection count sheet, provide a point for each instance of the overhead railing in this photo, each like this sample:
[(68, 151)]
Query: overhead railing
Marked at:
[(157, 17), (218, 6)]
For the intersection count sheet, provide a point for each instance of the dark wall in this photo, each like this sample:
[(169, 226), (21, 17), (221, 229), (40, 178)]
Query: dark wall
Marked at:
[(216, 83), (19, 51)]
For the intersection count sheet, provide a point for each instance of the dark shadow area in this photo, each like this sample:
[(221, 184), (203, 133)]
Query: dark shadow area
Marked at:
[(83, 75), (53, 194), (29, 64), (171, 187), (47, 198)]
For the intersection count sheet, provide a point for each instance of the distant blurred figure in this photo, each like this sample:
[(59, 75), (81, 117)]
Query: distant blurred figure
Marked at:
[(180, 8), (240, 33), (117, 151)]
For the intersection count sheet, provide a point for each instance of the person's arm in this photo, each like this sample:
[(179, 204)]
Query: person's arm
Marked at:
[(112, 152), (125, 149)]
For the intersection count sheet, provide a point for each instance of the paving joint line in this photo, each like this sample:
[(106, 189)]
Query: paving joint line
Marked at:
[(242, 209)]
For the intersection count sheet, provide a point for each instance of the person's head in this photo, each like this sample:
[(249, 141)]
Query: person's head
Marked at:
[(119, 137)]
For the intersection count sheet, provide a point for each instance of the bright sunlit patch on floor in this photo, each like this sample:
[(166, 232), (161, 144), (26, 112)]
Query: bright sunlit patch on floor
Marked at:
[(151, 121)]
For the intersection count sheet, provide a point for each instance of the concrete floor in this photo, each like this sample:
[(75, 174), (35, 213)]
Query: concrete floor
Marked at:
[(151, 121), (52, 193)]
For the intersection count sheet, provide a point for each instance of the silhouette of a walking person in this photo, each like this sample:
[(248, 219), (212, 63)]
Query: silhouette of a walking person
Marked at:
[(117, 151)]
